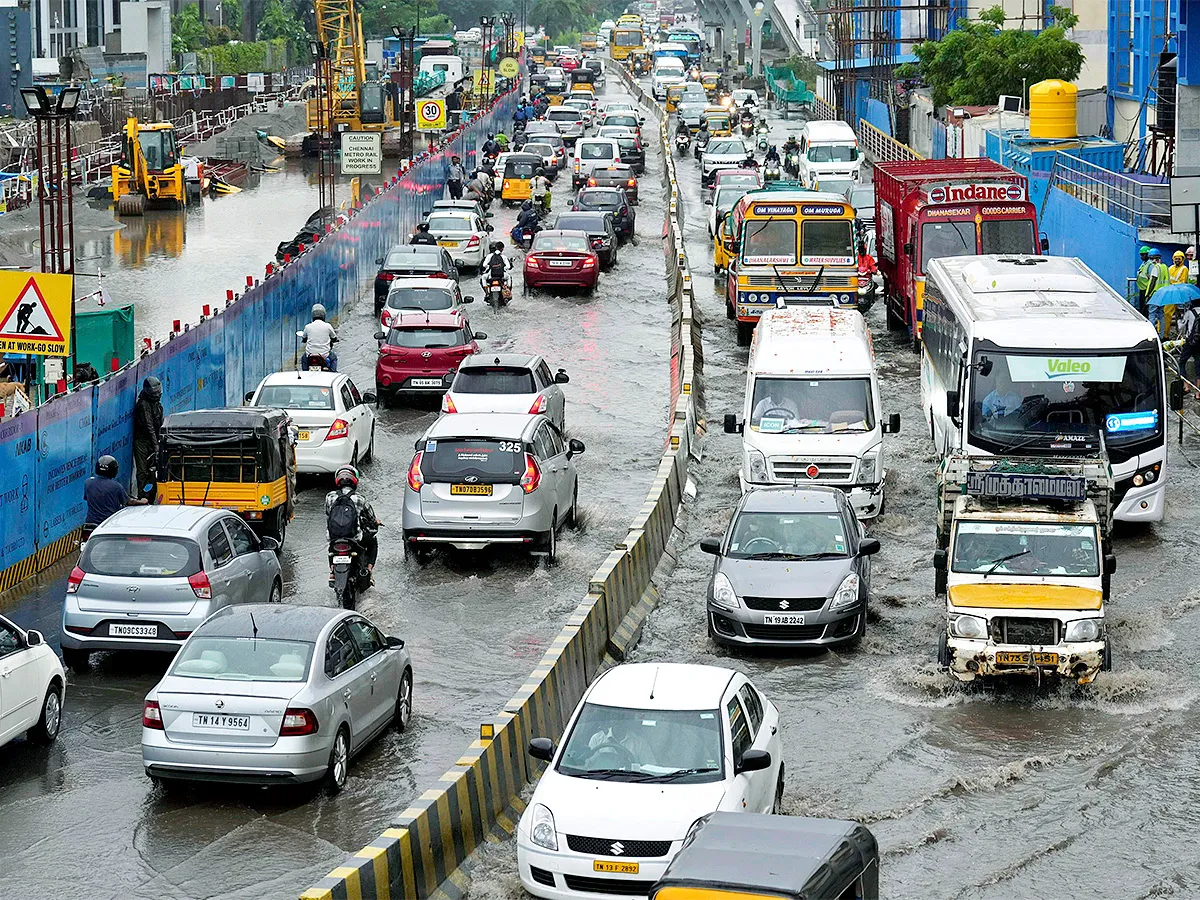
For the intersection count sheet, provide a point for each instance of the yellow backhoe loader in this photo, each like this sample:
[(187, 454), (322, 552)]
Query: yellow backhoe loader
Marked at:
[(150, 171)]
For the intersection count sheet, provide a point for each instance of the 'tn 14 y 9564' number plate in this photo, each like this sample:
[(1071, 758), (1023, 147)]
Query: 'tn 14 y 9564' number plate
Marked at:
[(220, 722)]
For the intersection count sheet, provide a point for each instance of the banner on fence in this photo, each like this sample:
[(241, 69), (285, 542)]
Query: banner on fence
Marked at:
[(18, 459), (64, 463)]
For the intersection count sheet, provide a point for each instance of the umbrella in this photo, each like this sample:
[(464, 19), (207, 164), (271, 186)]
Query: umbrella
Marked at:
[(1175, 295)]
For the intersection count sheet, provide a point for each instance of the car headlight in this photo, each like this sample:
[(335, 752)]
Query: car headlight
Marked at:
[(756, 466), (847, 593), (541, 830), (723, 594), (1084, 630), (868, 470), (694, 829), (971, 627)]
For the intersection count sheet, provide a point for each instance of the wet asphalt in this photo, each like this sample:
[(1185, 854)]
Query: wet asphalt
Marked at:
[(81, 819)]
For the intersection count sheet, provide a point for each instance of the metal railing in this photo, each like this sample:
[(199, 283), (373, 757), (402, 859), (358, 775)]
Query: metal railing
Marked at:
[(1138, 203), (823, 109), (881, 147)]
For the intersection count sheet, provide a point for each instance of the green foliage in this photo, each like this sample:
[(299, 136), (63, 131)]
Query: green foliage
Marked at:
[(566, 38), (280, 23), (378, 17), (977, 62), (556, 16), (187, 30), (240, 58), (231, 15), (803, 69)]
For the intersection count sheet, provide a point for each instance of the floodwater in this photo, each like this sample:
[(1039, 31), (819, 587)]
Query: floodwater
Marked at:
[(82, 819)]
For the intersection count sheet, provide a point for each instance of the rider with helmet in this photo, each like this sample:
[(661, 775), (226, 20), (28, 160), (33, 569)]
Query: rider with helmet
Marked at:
[(527, 218), (319, 337), (103, 494), (490, 147), (539, 189), (345, 482)]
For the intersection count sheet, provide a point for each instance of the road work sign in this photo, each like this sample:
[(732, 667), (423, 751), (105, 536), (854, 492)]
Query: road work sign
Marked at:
[(362, 153), (431, 115), (36, 311)]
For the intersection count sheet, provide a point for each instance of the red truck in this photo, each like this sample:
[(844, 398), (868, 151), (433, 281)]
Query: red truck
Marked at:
[(931, 208)]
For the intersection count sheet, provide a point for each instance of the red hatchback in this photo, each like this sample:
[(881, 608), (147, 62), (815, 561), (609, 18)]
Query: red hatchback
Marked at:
[(421, 352), (562, 259)]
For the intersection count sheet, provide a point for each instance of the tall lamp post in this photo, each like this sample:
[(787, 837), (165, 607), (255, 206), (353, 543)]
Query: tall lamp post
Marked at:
[(407, 101), (486, 24), (326, 177), (56, 216)]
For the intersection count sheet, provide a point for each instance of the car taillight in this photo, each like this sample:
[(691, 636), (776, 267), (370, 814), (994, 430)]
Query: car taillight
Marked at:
[(438, 275), (474, 241), (533, 475), (531, 262), (200, 585), (385, 318), (632, 182), (152, 716), (298, 722), (539, 405), (414, 472), (589, 262), (339, 429), (74, 579), (385, 276), (591, 182), (576, 165), (448, 404)]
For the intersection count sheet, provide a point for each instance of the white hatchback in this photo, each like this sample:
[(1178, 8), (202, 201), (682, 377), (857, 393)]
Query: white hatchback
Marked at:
[(32, 686), (463, 234), (508, 382), (651, 749), (335, 423)]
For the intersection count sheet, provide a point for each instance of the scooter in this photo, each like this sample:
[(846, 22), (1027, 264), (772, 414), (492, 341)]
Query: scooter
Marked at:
[(497, 292), (315, 361), (702, 140), (791, 164), (868, 290), (348, 573), (521, 237), (682, 142), (747, 127), (771, 171), (762, 143)]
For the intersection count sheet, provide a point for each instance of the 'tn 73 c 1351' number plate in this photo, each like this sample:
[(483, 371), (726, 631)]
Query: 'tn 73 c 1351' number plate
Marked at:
[(473, 490), (1008, 658), (621, 868)]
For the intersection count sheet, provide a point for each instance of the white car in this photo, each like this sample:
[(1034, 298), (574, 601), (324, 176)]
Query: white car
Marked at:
[(508, 382), (429, 294), (335, 423), (498, 178), (722, 201), (463, 234), (651, 749), (32, 686), (723, 153), (584, 107)]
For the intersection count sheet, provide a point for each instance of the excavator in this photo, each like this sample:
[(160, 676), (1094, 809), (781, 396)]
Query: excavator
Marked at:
[(150, 170)]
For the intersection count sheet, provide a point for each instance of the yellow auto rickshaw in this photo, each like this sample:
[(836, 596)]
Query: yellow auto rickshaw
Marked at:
[(719, 122), (640, 62), (243, 458), (674, 94), (723, 244), (709, 80), (519, 169)]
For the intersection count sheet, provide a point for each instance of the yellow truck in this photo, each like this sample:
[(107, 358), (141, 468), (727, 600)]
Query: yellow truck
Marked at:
[(150, 170)]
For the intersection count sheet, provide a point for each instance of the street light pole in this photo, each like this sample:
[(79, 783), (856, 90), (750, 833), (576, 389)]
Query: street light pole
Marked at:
[(326, 177), (487, 25)]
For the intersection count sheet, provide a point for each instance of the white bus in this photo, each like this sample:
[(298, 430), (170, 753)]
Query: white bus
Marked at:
[(1036, 356)]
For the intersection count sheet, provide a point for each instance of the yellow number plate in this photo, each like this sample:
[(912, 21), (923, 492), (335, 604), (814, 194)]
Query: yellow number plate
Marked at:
[(1017, 659), (447, 243), (620, 868), (474, 490), (302, 435)]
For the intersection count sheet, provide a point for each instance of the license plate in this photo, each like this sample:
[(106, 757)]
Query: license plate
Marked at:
[(450, 244), (620, 868), (561, 262), (137, 631), (342, 559), (1008, 658), (472, 490), (220, 723), (426, 382), (792, 619), (303, 435)]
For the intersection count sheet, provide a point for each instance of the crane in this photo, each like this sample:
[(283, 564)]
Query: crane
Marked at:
[(358, 104)]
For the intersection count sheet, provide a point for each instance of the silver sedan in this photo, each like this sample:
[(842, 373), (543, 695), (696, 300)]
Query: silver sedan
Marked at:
[(275, 694)]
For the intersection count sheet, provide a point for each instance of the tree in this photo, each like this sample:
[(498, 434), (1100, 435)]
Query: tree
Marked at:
[(280, 22), (187, 30), (231, 15), (977, 62), (555, 16), (379, 17)]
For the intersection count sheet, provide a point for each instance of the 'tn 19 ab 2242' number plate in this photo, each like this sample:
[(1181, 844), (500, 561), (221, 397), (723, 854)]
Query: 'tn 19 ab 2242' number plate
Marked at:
[(792, 619), (221, 723), (134, 631), (1008, 658), (472, 490), (620, 868)]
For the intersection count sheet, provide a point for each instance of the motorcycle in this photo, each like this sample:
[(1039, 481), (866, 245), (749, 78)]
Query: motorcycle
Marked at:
[(314, 362), (868, 290), (521, 237), (682, 142), (771, 171), (497, 292), (747, 127), (348, 575), (702, 140), (762, 143), (791, 164)]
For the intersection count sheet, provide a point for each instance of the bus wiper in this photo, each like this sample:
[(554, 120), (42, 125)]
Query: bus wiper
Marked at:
[(998, 563)]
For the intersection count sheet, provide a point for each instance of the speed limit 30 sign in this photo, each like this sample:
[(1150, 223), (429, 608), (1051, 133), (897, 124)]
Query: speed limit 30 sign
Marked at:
[(431, 115)]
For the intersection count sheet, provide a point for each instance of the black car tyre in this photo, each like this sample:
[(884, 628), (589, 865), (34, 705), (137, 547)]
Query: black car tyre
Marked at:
[(551, 539), (276, 595), (404, 697), (50, 721), (339, 761), (777, 806)]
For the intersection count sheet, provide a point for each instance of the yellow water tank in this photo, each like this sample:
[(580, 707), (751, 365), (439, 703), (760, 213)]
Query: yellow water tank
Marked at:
[(1052, 107)]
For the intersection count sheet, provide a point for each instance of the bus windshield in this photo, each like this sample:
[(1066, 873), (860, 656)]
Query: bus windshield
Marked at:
[(769, 242), (628, 37), (828, 243), (1038, 402)]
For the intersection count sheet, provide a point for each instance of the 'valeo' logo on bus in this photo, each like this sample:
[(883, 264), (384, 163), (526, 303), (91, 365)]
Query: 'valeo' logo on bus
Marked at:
[(1065, 368), (975, 192)]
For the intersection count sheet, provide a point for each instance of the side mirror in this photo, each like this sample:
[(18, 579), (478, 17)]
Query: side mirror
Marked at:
[(542, 748), (868, 547), (379, 261), (468, 299), (908, 249), (753, 761), (940, 559), (1175, 395), (34, 638), (1110, 563), (395, 642), (953, 404), (892, 425), (1044, 244), (266, 542), (708, 201), (369, 397), (732, 426), (710, 545), (380, 336), (249, 396), (480, 335), (562, 377), (575, 446), (488, 228)]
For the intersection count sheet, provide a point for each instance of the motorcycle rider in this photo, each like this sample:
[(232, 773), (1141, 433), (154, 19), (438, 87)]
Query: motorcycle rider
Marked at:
[(496, 268), (104, 495), (539, 189), (772, 156), (702, 138), (455, 176), (682, 130), (490, 146), (422, 235), (476, 190), (367, 534), (866, 262), (319, 337), (502, 140), (791, 145), (527, 219)]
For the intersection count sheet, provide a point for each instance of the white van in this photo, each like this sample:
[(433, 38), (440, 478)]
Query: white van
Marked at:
[(593, 153), (829, 150), (811, 413), (668, 70)]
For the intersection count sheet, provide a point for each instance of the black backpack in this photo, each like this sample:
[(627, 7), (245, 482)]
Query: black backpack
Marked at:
[(497, 268), (342, 521)]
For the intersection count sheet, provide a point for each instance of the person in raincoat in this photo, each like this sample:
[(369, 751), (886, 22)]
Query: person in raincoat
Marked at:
[(1176, 274), (147, 431), (1158, 277)]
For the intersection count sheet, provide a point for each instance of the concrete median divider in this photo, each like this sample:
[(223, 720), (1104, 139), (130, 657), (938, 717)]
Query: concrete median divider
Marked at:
[(421, 854)]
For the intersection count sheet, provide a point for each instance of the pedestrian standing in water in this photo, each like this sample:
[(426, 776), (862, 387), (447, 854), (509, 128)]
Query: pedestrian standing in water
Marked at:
[(147, 432)]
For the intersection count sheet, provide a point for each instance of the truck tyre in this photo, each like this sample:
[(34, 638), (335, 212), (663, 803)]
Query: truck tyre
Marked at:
[(745, 332), (1107, 664)]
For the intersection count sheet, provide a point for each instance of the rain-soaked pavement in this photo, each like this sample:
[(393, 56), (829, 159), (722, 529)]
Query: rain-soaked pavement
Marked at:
[(81, 818), (1012, 792)]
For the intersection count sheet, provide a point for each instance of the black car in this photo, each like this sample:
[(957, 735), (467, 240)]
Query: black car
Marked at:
[(618, 176), (600, 231), (420, 260), (632, 153), (613, 200)]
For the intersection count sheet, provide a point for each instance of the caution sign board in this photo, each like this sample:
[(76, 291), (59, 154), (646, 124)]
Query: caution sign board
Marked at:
[(508, 67), (362, 153), (483, 82), (431, 115), (36, 311)]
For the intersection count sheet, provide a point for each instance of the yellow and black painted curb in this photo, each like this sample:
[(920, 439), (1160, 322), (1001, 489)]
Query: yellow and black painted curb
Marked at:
[(45, 557)]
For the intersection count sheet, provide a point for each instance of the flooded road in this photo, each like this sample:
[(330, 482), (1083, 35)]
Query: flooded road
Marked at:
[(81, 818)]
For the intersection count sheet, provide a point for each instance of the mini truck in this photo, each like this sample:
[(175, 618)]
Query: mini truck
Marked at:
[(1024, 567), (931, 208)]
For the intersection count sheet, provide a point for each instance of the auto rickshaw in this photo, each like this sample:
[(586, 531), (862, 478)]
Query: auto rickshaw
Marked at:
[(747, 856), (519, 169), (710, 80), (640, 62), (674, 94), (242, 458), (583, 77), (723, 244), (719, 122)]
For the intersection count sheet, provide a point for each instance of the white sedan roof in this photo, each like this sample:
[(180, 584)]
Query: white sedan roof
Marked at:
[(662, 686)]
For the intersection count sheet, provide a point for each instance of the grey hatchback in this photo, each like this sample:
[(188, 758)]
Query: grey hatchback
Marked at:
[(793, 569), (149, 575)]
